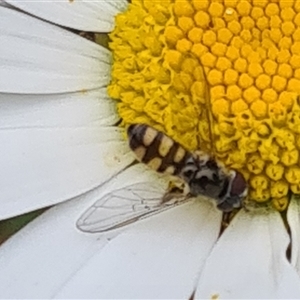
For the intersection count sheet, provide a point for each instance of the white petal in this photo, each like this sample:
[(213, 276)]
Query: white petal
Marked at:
[(157, 259), (293, 216), (92, 108), (37, 57), (37, 261), (249, 261), (43, 166), (78, 14)]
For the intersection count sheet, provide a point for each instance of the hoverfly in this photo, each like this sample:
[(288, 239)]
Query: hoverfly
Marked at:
[(199, 171)]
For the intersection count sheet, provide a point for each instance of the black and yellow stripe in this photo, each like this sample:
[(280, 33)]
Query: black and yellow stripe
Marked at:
[(156, 149)]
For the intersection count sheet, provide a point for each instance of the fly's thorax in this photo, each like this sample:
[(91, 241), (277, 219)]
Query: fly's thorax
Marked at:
[(157, 150), (205, 175)]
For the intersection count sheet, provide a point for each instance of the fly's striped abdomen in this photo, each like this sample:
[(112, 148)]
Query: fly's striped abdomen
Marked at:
[(156, 149)]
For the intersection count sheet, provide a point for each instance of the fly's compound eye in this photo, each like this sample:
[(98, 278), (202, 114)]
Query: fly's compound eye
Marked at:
[(238, 186)]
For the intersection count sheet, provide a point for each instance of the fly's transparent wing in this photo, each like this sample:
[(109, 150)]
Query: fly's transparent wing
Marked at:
[(127, 205)]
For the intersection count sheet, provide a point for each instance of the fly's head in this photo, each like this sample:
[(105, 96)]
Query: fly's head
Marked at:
[(234, 194)]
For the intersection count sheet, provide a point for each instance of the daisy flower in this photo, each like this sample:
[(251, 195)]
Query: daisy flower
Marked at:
[(220, 76)]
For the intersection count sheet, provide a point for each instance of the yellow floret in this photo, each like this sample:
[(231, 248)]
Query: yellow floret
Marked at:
[(237, 42), (297, 74), (241, 65), (289, 157), (246, 35), (287, 14), (234, 26), (262, 52), (255, 69), (259, 182), (297, 6), (272, 9), (297, 19), (195, 35), (173, 59), (287, 28), (230, 76), (251, 94), (292, 175), (259, 108), (218, 49), (275, 171), (275, 22), (295, 49), (263, 81), (295, 61), (276, 35), (262, 23), (232, 53), (216, 9), (223, 63), (256, 35), (184, 45), (279, 83), (287, 99), (294, 85), (255, 164), (243, 8), (233, 92), (224, 35), (245, 81), (269, 95), (183, 8), (202, 19), (246, 50), (230, 14), (215, 77), (279, 189), (295, 188), (218, 23), (173, 34), (273, 53), (198, 50), (283, 56), (220, 107), (208, 60), (209, 38), (185, 24), (247, 23), (286, 42), (270, 67), (254, 57), (199, 73), (239, 106), (296, 35), (257, 12), (280, 204), (217, 92), (199, 5)]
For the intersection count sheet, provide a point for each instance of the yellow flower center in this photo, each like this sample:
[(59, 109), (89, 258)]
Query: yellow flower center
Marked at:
[(221, 76)]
